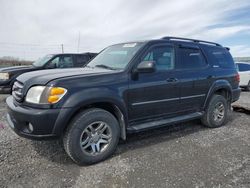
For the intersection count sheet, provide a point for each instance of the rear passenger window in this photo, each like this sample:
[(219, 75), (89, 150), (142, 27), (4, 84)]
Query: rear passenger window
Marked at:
[(190, 58), (220, 57), (163, 57)]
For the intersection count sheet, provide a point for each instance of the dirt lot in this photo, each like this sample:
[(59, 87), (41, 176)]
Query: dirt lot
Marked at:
[(183, 155)]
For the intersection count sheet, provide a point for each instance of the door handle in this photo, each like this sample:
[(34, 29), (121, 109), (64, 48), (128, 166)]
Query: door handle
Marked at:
[(172, 80)]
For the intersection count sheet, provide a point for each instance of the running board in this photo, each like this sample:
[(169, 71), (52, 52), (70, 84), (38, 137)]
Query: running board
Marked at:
[(163, 122)]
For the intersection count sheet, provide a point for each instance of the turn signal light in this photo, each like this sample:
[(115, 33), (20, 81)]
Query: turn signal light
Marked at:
[(57, 91), (55, 94), (53, 99)]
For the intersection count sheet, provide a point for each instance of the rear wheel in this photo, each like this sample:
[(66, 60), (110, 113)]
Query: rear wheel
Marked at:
[(248, 86), (92, 136), (216, 113)]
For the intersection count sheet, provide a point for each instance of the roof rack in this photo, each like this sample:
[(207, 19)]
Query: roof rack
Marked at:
[(191, 40)]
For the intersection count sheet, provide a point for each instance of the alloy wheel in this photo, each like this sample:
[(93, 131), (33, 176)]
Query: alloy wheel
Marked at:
[(96, 138), (219, 112)]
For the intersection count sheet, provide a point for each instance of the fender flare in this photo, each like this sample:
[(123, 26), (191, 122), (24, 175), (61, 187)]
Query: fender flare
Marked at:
[(71, 107), (218, 84)]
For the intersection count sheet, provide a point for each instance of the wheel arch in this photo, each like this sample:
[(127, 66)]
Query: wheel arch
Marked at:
[(220, 87), (114, 107)]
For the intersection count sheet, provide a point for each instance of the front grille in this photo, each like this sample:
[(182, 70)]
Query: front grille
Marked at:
[(17, 91)]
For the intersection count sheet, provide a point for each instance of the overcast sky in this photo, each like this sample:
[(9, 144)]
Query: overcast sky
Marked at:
[(32, 28)]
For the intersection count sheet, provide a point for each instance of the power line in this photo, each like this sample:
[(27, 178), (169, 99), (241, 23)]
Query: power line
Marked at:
[(33, 45), (26, 44)]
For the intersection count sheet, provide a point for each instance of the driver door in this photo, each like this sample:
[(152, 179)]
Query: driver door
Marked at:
[(156, 94)]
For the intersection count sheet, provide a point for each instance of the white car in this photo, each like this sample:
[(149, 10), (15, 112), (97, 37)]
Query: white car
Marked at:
[(244, 72)]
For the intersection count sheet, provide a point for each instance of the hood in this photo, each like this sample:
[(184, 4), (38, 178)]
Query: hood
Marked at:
[(15, 68), (44, 76)]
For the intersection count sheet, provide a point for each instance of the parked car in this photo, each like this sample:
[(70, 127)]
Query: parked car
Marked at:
[(9, 74), (126, 88), (244, 71)]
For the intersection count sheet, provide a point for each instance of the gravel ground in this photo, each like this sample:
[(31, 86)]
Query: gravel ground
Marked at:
[(183, 155)]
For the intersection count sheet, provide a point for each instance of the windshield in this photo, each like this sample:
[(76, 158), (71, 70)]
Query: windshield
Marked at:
[(41, 61), (115, 57)]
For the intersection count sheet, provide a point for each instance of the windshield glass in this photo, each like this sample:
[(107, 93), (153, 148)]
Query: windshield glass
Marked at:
[(41, 61), (115, 57)]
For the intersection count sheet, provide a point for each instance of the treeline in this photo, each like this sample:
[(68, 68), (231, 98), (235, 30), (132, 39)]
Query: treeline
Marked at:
[(9, 61)]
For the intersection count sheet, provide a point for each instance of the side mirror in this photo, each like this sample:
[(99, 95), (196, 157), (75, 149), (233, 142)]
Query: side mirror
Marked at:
[(146, 67)]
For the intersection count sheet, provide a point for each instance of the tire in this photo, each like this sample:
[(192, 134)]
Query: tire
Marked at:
[(248, 87), (209, 118), (80, 132)]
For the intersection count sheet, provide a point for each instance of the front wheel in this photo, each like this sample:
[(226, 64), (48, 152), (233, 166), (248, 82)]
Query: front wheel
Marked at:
[(92, 136), (248, 86), (216, 112)]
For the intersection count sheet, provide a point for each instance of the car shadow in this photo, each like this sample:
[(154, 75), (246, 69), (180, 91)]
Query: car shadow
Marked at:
[(244, 90), (53, 149), (155, 136)]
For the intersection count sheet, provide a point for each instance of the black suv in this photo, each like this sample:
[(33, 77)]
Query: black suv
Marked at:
[(126, 88), (9, 74)]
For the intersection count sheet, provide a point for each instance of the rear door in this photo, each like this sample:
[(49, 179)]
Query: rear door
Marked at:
[(194, 76), (154, 95)]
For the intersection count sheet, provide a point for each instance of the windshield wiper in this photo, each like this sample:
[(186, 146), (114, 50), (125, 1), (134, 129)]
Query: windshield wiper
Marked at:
[(106, 67), (88, 66)]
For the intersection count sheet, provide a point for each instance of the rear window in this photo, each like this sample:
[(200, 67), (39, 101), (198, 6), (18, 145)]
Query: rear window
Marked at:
[(243, 67), (220, 57)]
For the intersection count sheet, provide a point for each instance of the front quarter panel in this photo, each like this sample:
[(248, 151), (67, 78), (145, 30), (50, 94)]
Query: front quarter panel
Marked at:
[(81, 92)]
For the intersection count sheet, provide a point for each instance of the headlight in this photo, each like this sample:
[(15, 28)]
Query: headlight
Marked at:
[(4, 76), (45, 95), (34, 94)]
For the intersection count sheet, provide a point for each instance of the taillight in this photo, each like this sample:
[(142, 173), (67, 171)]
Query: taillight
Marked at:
[(237, 77)]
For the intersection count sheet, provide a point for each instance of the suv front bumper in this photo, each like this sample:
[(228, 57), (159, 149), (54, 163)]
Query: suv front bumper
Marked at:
[(21, 119), (5, 89)]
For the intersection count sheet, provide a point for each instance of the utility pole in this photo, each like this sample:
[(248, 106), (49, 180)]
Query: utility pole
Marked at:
[(62, 48), (78, 44)]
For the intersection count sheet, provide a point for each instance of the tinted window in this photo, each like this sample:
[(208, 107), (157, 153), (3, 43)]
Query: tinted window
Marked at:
[(220, 57), (81, 60), (163, 57), (190, 58), (243, 67)]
